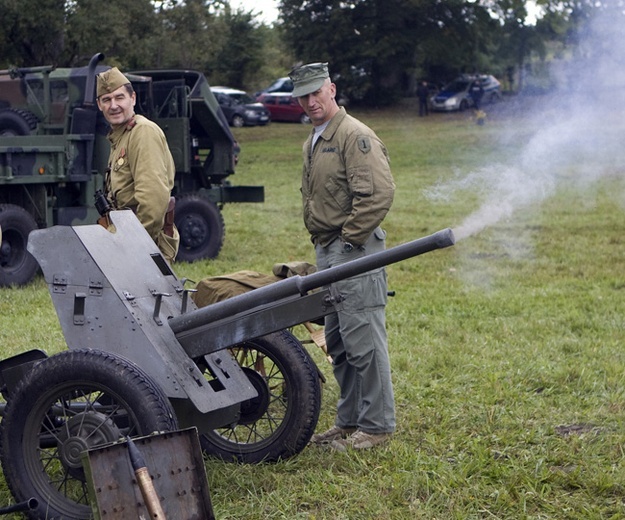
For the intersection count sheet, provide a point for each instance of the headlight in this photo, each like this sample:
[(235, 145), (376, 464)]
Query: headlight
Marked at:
[(250, 113), (452, 101)]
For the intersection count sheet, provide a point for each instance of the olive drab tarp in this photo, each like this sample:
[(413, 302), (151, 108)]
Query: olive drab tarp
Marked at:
[(217, 288)]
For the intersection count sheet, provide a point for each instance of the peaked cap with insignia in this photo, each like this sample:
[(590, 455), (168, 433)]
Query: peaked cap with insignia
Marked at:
[(110, 80)]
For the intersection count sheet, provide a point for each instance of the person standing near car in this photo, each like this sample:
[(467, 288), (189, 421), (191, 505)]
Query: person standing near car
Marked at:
[(140, 173), (423, 92), (347, 190), (477, 93)]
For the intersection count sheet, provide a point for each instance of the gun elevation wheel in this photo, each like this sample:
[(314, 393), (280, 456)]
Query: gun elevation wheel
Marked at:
[(70, 403), (281, 420)]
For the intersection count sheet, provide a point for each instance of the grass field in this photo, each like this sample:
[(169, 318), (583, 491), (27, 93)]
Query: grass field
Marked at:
[(506, 349)]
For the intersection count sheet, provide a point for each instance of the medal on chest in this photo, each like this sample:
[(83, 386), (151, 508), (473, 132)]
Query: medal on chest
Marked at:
[(120, 160)]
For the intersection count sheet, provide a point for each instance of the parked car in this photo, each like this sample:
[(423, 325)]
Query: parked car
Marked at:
[(240, 108), (458, 95), (280, 85), (283, 107)]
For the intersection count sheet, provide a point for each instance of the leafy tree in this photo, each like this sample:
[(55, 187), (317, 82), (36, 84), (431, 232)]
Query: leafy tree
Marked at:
[(457, 37), (376, 48), (387, 41), (31, 32), (139, 34), (119, 30), (241, 50), (354, 36), (189, 35), (278, 58), (518, 41)]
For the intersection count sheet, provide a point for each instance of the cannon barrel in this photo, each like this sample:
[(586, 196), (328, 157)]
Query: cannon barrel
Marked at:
[(303, 284)]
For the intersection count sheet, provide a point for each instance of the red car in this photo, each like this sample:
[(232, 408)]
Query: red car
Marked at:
[(283, 107)]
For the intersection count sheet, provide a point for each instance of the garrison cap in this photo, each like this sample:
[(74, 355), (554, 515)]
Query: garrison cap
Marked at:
[(308, 78), (110, 80)]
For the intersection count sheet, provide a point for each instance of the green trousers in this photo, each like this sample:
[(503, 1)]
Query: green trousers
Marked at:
[(356, 340)]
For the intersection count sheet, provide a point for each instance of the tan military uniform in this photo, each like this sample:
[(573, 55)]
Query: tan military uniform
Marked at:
[(347, 186), (141, 177)]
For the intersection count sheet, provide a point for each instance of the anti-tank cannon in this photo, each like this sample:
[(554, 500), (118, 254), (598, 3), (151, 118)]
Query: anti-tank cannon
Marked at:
[(142, 358)]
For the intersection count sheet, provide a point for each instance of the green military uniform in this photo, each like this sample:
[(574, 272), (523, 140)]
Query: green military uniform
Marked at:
[(347, 187), (141, 177), (347, 190)]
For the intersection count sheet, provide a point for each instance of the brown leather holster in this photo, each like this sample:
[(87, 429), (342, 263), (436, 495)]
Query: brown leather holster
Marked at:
[(104, 221), (168, 226)]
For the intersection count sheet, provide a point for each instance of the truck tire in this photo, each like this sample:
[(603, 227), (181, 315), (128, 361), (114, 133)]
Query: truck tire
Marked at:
[(17, 265), (17, 122), (281, 420), (201, 227), (70, 403)]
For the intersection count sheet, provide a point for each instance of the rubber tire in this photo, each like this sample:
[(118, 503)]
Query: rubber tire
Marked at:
[(201, 227), (464, 104), (17, 122), (238, 121), (17, 265), (27, 424), (298, 402)]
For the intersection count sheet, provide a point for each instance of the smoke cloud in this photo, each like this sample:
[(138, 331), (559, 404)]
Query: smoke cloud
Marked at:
[(579, 137)]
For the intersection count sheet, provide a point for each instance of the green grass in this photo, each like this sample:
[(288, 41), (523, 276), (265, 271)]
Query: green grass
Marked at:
[(506, 349)]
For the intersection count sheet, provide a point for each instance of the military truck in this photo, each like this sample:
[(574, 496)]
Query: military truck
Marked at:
[(54, 152)]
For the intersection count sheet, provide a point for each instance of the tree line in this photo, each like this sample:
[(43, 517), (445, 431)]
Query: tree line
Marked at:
[(377, 49)]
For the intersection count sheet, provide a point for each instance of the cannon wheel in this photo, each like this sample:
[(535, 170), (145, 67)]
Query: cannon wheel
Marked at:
[(68, 404), (281, 420)]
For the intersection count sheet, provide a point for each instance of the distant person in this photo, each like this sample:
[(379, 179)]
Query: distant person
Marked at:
[(347, 190), (423, 92), (477, 93), (140, 173)]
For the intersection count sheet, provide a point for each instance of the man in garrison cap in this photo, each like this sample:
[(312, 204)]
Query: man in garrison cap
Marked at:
[(140, 173), (347, 190)]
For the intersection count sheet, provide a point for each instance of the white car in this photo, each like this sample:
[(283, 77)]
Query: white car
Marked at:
[(460, 94)]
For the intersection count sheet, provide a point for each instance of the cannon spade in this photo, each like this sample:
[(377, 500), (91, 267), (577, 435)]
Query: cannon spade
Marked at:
[(142, 357)]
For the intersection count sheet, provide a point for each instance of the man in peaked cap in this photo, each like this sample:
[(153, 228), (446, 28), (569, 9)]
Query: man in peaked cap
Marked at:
[(347, 190), (140, 173)]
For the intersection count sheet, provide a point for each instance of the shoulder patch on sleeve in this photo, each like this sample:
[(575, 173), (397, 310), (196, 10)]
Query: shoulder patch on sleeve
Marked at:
[(364, 144)]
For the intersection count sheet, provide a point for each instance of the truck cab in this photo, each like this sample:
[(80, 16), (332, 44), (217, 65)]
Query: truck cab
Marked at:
[(54, 151)]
